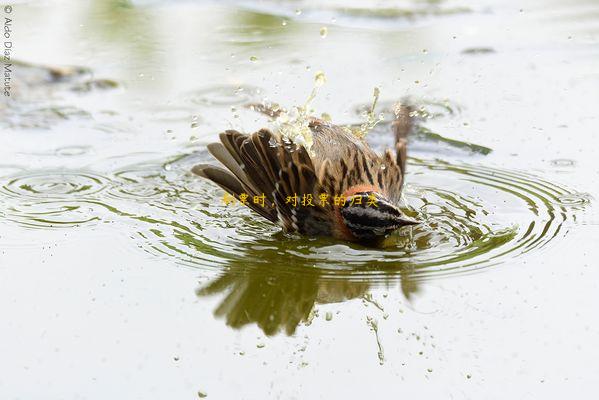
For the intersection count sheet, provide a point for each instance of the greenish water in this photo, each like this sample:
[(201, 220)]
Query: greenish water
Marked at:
[(122, 275)]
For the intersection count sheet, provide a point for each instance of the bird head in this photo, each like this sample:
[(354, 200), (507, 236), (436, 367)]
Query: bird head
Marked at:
[(370, 216)]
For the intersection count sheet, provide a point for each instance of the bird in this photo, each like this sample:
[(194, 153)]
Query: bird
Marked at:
[(338, 187)]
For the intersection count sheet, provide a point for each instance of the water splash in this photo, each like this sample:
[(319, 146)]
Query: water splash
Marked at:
[(374, 326), (293, 125), (473, 217), (371, 119), (482, 217)]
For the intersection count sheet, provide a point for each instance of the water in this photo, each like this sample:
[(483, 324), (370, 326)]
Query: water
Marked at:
[(125, 276)]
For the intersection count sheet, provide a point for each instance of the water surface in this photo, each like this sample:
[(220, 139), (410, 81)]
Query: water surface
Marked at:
[(125, 276)]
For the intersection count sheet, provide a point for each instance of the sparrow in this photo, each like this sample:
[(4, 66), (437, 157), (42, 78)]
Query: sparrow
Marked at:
[(353, 192)]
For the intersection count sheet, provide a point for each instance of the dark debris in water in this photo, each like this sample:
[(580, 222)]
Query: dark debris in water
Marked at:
[(38, 76), (38, 90), (426, 135), (406, 13), (478, 50), (95, 84)]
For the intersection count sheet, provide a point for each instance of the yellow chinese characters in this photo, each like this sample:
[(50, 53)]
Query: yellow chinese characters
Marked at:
[(304, 200)]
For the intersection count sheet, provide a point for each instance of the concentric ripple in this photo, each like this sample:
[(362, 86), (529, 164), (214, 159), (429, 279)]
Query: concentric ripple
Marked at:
[(140, 183), (45, 185), (52, 199), (473, 217), (223, 95)]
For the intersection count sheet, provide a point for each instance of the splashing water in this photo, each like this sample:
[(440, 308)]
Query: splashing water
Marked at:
[(293, 125), (372, 119)]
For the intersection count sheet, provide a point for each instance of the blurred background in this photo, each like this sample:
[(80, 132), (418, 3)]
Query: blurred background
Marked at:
[(124, 276)]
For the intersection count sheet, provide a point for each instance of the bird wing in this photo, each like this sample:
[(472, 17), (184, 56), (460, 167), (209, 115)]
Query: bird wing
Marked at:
[(344, 161), (264, 164), (402, 126)]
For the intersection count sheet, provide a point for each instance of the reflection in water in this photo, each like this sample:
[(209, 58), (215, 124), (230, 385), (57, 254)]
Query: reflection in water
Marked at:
[(175, 61), (473, 217), (275, 298), (276, 301)]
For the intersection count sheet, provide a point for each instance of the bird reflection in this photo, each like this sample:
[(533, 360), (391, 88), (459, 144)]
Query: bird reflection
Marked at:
[(278, 293)]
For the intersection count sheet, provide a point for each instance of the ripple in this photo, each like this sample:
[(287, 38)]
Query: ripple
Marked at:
[(48, 185), (224, 95), (474, 217), (72, 151), (156, 185), (423, 108), (140, 183), (51, 200), (53, 214), (573, 199), (563, 162)]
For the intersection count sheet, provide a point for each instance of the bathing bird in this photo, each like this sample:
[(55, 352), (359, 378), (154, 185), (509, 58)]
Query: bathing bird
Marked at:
[(336, 187)]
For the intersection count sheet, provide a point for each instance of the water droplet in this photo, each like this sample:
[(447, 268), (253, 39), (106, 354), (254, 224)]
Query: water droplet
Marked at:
[(260, 345), (298, 12), (324, 32), (202, 394), (320, 79)]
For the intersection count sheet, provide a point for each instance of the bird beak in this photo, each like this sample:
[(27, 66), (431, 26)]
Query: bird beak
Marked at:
[(405, 221)]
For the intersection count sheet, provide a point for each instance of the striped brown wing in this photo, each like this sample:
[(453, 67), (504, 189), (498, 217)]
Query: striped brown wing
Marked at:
[(263, 164), (345, 161)]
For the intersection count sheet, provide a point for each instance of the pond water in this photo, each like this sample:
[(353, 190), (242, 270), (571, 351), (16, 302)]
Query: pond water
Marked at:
[(122, 275)]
